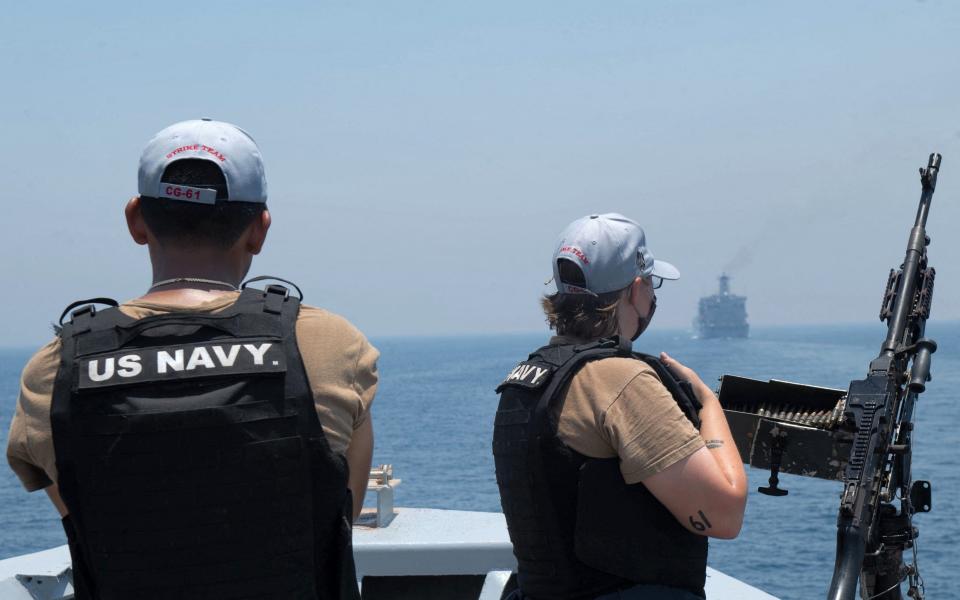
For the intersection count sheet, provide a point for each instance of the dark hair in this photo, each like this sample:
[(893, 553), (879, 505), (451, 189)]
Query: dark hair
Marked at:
[(581, 316), (180, 222)]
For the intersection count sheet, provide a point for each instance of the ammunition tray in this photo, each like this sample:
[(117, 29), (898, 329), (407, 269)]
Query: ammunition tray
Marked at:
[(803, 420)]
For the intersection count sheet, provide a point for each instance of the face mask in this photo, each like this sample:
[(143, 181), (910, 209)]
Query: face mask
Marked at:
[(643, 322)]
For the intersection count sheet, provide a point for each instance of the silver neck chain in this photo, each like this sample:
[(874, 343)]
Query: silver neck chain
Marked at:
[(192, 280)]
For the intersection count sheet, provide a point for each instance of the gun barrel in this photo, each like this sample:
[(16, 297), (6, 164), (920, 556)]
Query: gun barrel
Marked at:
[(928, 181), (916, 246), (934, 161)]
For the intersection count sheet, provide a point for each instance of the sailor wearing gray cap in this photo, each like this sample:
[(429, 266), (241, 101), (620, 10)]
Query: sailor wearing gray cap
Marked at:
[(611, 251), (613, 466), (605, 254), (208, 439), (224, 145)]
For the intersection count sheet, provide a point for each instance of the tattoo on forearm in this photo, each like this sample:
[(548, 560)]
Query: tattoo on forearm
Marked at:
[(714, 444), (703, 524)]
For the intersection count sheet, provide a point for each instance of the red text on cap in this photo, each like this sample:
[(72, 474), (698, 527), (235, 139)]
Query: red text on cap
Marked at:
[(576, 252), (189, 194), (201, 147)]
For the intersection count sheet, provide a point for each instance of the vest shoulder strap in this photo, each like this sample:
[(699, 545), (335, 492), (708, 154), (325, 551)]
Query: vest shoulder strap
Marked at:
[(544, 363), (547, 407), (89, 328), (681, 390), (108, 330), (247, 283), (549, 369), (83, 309)]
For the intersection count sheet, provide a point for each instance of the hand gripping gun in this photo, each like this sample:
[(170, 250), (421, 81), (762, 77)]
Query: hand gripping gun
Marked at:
[(862, 437)]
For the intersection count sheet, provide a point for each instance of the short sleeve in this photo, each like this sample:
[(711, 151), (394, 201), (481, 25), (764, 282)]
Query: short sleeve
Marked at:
[(341, 367), (648, 429), (365, 379), (30, 450)]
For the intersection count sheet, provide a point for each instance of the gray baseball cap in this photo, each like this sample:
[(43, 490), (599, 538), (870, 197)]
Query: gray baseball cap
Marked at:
[(611, 250), (227, 146)]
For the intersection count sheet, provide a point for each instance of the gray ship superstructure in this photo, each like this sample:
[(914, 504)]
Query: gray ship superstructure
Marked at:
[(722, 315)]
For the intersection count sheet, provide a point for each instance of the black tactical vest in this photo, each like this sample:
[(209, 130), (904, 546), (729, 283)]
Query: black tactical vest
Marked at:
[(578, 530), (192, 460)]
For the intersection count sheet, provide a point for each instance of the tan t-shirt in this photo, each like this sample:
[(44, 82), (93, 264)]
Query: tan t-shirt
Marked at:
[(619, 407), (341, 368)]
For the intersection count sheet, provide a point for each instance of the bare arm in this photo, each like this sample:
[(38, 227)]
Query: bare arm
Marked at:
[(707, 491), (359, 455), (53, 492)]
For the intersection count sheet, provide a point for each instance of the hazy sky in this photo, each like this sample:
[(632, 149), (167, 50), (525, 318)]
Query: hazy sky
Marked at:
[(422, 157)]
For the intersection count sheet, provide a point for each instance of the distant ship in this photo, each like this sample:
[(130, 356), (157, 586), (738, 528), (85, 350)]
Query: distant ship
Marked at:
[(722, 315)]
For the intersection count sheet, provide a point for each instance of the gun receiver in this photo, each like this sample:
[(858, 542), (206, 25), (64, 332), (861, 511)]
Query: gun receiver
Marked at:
[(872, 424)]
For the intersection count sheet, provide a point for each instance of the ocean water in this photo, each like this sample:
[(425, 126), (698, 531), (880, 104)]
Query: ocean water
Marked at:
[(434, 413)]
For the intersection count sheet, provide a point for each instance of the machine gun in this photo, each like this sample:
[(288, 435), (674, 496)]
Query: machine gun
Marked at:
[(862, 437)]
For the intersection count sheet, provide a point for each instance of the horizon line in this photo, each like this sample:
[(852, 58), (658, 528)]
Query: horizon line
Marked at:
[(547, 332)]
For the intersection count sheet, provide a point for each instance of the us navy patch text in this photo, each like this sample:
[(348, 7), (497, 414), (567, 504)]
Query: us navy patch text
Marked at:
[(181, 362), (528, 375)]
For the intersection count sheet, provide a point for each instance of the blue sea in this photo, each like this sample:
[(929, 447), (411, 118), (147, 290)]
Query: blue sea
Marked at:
[(434, 413)]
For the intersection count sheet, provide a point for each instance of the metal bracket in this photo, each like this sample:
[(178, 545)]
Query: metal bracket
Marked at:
[(921, 496), (382, 483), (48, 587), (494, 585)]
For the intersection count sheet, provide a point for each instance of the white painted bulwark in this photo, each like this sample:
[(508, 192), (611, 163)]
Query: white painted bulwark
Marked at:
[(424, 541), (419, 541)]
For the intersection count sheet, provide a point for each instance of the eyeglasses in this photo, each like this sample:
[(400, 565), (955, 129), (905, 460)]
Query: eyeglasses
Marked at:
[(656, 282)]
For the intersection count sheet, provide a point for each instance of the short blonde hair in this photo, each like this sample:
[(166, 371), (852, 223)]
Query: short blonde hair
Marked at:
[(583, 316)]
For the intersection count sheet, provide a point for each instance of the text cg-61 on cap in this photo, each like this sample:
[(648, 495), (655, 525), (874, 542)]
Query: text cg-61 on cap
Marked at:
[(224, 144), (611, 251)]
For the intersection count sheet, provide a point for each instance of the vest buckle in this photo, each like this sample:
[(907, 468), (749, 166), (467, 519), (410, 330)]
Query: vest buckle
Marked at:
[(274, 297)]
